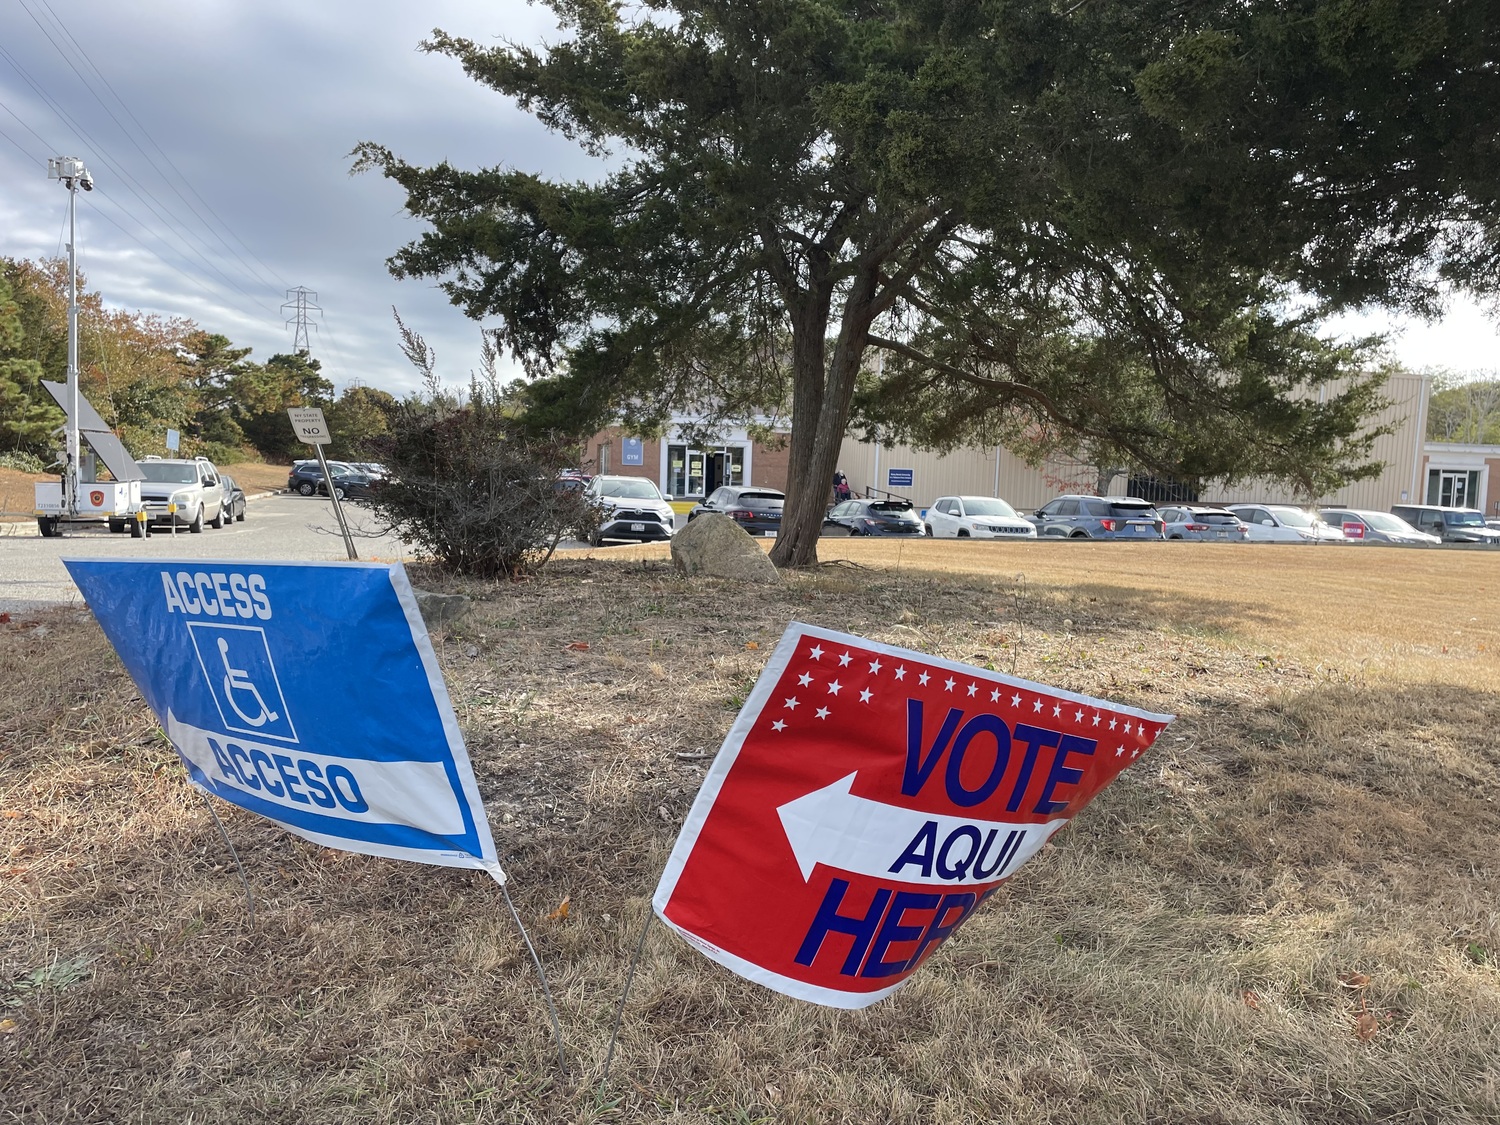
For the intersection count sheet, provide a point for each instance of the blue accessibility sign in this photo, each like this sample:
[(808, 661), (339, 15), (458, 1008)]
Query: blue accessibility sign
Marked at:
[(308, 693)]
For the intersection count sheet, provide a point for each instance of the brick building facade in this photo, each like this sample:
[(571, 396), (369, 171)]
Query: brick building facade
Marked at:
[(682, 470)]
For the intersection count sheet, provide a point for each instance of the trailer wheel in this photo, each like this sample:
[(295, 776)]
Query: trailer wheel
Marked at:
[(47, 525), (137, 529), (116, 526)]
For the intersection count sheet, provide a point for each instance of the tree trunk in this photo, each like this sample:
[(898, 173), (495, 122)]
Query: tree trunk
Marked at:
[(820, 414)]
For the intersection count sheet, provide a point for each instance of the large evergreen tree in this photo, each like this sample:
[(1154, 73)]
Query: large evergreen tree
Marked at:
[(1106, 223)]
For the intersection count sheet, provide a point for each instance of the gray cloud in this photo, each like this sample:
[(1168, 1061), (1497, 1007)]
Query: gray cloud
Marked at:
[(257, 105)]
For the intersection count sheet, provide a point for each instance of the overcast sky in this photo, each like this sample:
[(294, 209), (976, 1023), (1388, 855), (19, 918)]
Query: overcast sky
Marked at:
[(218, 137)]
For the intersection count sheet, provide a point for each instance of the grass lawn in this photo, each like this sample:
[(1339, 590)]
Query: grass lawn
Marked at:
[(1288, 911)]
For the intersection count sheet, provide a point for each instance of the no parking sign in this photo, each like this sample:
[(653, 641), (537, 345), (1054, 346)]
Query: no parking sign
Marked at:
[(868, 800)]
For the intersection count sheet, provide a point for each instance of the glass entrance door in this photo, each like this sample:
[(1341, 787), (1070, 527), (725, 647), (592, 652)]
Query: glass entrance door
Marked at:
[(1452, 488)]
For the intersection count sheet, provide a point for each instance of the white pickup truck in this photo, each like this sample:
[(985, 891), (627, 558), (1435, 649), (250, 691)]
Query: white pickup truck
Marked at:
[(185, 492)]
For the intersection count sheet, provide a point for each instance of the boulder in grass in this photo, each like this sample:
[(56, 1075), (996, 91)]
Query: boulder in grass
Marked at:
[(439, 609), (714, 546)]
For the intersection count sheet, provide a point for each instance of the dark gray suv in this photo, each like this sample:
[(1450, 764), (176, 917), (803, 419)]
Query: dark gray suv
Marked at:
[(1099, 517), (1451, 525)]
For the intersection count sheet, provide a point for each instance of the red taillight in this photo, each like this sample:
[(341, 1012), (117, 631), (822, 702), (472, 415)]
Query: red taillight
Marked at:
[(740, 514), (1109, 525), (1195, 526)]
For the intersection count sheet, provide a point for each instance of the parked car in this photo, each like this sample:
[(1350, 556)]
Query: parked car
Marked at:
[(349, 483), (1282, 523), (757, 510), (634, 509), (234, 500), (976, 517), (1206, 524), (1451, 525), (190, 485), (1361, 526), (1099, 517), (873, 517)]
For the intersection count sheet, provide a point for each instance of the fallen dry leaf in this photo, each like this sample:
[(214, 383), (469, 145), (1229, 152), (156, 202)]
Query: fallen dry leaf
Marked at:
[(752, 644), (1251, 1000), (1366, 1026), (561, 913), (7, 1026), (579, 646), (12, 814), (1353, 980)]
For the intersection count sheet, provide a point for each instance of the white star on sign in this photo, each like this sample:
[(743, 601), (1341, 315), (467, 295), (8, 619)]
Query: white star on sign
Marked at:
[(875, 667), (833, 687), (949, 685), (1113, 723), (778, 725), (816, 652), (1057, 709), (1127, 728), (1096, 718), (1134, 754), (1078, 715), (995, 696), (901, 672), (844, 660), (791, 704), (923, 678), (973, 690), (1119, 751), (1037, 706), (822, 712), (804, 679), (1015, 700), (866, 695)]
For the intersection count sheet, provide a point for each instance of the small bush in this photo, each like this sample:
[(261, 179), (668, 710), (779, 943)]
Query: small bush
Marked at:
[(22, 462), (469, 485)]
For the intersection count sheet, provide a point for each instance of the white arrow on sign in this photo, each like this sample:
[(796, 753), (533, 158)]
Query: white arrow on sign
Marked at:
[(833, 827)]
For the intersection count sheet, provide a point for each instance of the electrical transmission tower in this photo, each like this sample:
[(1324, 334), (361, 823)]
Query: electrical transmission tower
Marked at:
[(301, 301)]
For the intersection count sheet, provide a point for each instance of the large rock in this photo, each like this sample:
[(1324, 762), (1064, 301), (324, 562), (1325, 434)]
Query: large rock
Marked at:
[(439, 609), (714, 546)]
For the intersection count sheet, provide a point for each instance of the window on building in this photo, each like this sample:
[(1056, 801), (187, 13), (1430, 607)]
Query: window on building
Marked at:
[(601, 459)]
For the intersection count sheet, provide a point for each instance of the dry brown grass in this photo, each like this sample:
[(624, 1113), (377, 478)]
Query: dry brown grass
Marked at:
[(254, 476), (1324, 805)]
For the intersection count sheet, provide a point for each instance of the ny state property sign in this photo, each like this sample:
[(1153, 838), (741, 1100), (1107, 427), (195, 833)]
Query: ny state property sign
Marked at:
[(868, 800)]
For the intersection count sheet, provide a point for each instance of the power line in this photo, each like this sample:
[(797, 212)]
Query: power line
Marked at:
[(147, 134), (127, 180)]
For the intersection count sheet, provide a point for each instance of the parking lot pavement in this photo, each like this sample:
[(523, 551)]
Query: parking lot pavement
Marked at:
[(286, 527)]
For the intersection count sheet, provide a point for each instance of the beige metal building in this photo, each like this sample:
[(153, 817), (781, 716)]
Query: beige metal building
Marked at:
[(999, 472)]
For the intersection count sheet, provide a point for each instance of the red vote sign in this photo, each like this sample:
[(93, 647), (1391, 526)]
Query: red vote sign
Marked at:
[(869, 799)]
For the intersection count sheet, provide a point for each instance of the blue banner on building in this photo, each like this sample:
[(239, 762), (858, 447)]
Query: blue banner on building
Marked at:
[(631, 451), (308, 693)]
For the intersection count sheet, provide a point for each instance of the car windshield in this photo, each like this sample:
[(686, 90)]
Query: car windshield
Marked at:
[(1214, 517), (167, 472), (982, 506), (764, 499), (1294, 517), (631, 489), (891, 507), (1463, 519), (1130, 508)]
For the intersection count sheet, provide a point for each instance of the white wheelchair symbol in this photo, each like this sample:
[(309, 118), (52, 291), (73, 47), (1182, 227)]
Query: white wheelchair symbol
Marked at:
[(241, 676), (238, 680)]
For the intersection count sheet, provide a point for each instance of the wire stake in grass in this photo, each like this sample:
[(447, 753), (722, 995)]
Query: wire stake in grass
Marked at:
[(238, 866), (562, 1059), (620, 1009)]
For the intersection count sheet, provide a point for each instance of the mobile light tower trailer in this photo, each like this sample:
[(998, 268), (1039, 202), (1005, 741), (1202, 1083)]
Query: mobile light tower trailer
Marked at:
[(77, 496)]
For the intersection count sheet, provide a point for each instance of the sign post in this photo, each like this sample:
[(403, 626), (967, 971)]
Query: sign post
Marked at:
[(868, 800), (309, 426)]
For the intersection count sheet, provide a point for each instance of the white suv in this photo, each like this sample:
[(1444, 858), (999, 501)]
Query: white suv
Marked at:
[(633, 508), (193, 486)]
